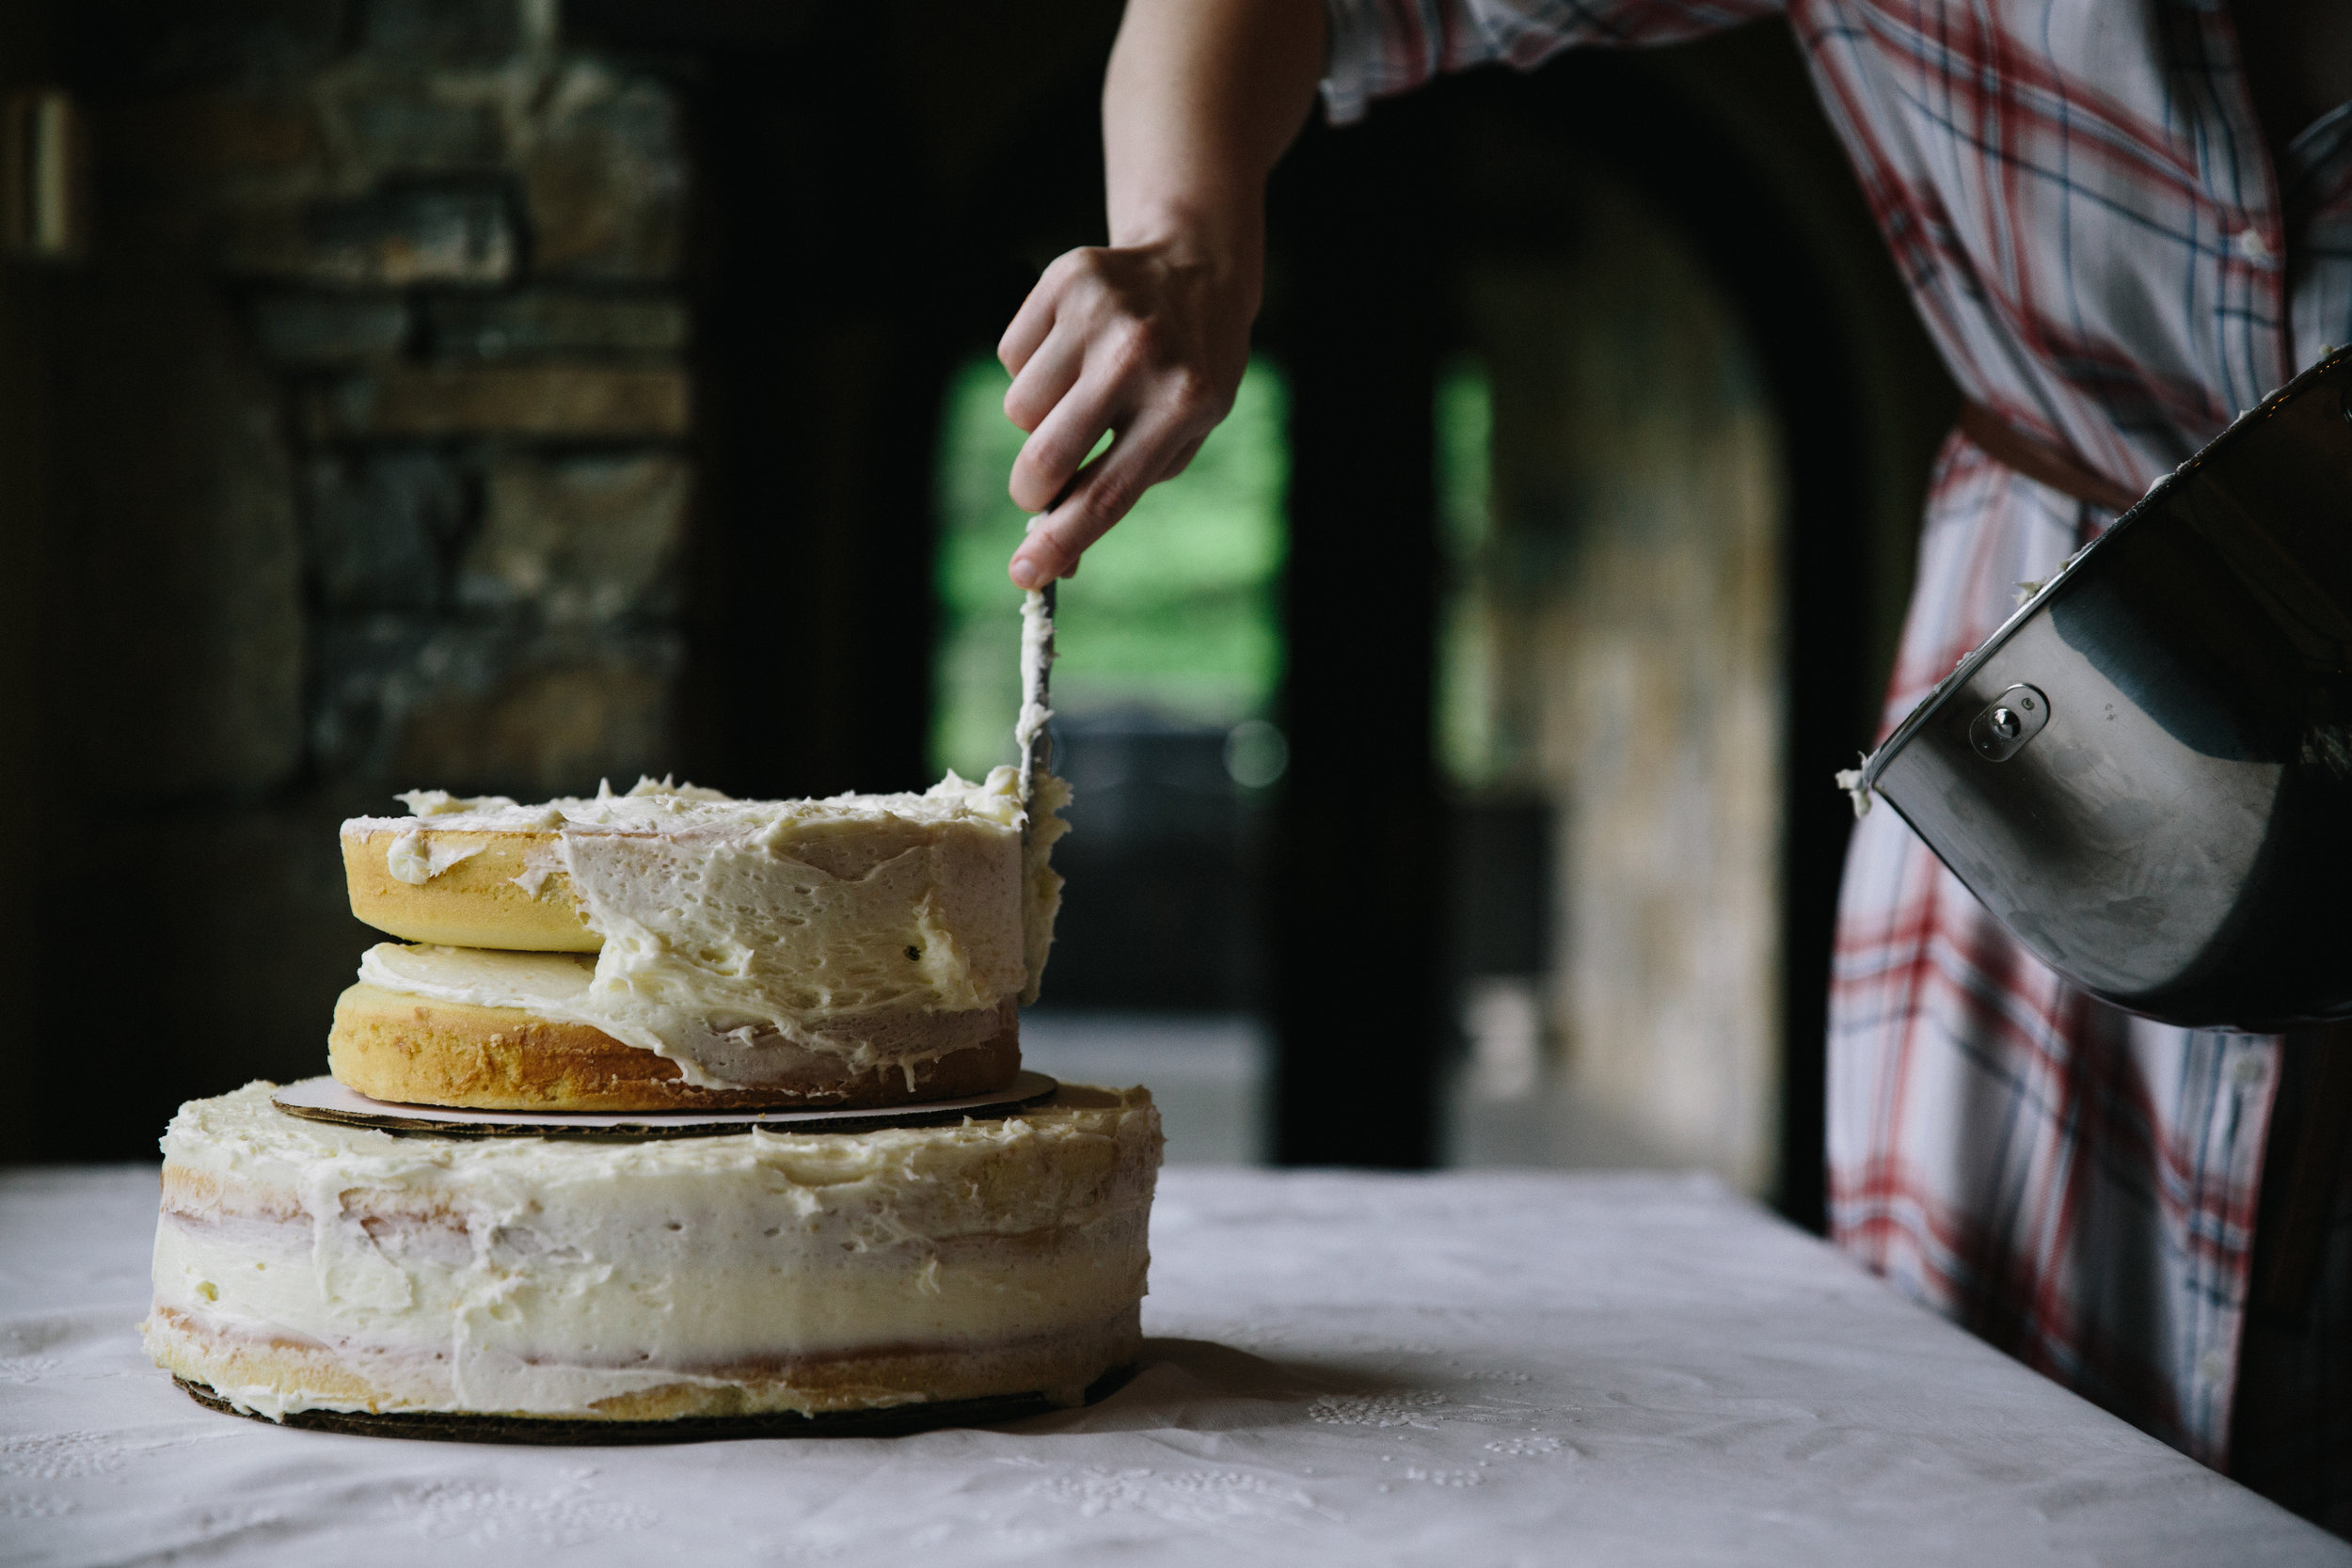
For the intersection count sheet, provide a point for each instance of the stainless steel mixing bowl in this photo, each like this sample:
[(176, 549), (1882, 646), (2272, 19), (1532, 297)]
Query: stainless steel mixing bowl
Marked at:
[(2146, 773)]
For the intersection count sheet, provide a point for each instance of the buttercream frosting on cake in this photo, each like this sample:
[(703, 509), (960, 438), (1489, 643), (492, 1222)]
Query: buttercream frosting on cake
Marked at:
[(302, 1265), (874, 926)]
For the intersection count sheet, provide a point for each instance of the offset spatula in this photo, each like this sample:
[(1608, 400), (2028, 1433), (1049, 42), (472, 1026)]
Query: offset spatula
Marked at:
[(1036, 663)]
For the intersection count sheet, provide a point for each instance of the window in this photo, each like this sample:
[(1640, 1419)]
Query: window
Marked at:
[(1176, 613), (1465, 741)]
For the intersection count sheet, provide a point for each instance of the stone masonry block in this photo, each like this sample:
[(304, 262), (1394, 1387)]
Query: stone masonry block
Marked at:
[(553, 728), (496, 328), (365, 675), (382, 527), (412, 132), (326, 329), (604, 179), (583, 539), (395, 238), (447, 32), (405, 703), (547, 401)]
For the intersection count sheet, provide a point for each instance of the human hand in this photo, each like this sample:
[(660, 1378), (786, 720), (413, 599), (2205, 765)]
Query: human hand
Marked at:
[(1148, 341)]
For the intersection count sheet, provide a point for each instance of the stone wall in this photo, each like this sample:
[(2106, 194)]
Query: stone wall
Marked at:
[(373, 469), (454, 250), (1634, 599)]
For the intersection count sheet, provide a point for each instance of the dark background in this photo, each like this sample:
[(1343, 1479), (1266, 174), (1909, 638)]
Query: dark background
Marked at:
[(847, 202)]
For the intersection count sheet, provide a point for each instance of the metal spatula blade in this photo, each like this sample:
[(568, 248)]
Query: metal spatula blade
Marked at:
[(1034, 731)]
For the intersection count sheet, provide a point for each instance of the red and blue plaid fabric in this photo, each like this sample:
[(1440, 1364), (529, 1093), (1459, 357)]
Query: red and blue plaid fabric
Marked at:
[(2080, 198)]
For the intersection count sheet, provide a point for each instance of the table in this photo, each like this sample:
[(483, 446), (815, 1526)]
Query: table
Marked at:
[(1459, 1368)]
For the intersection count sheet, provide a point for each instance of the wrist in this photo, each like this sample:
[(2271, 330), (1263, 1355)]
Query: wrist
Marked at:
[(1223, 238)]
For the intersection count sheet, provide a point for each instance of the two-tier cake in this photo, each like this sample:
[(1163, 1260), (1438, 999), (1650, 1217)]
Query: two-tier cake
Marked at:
[(669, 950)]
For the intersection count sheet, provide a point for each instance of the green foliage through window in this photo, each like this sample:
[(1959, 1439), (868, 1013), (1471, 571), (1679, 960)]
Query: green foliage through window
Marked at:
[(1176, 610), (1465, 698)]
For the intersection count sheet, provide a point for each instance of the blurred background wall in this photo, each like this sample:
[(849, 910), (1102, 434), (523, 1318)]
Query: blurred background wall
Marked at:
[(503, 394)]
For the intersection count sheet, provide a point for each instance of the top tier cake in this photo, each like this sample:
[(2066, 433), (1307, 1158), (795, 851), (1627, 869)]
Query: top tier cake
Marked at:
[(674, 948)]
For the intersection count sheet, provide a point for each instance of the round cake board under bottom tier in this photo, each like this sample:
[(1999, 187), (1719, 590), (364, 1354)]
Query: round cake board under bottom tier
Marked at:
[(890, 1421)]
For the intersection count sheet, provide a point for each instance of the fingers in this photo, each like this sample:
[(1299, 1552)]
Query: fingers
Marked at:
[(1124, 381), (1105, 397), (1050, 370), (1182, 459), (1057, 539), (1136, 341), (1051, 454), (1104, 492), (1035, 319)]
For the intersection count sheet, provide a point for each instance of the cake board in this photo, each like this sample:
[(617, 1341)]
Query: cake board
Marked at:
[(324, 1100), (891, 1420)]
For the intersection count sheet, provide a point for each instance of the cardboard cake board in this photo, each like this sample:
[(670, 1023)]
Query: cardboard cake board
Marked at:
[(324, 1100), (893, 1420)]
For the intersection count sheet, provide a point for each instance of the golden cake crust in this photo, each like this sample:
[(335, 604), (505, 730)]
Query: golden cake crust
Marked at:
[(415, 1051), (475, 902), (1059, 1365)]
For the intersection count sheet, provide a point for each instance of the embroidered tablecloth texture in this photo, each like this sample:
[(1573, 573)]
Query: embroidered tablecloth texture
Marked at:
[(1461, 1369)]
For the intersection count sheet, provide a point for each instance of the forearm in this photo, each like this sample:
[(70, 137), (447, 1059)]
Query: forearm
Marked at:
[(1202, 97), (1147, 336)]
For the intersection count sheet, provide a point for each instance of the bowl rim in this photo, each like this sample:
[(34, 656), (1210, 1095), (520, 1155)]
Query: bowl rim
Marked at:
[(1876, 763)]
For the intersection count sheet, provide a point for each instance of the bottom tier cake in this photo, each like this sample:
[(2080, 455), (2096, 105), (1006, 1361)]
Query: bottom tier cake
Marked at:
[(302, 1266)]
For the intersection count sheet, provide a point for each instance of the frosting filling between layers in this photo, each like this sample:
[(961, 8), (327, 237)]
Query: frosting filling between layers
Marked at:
[(726, 924), (550, 983), (543, 1277)]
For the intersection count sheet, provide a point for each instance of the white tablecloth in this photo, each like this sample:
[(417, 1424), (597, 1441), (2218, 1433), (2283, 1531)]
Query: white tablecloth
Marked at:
[(1465, 1369)]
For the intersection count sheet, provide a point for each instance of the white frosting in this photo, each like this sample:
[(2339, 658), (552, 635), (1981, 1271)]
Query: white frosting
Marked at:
[(729, 925), (541, 1276), (552, 985), (664, 806), (440, 803), (416, 857), (1037, 664)]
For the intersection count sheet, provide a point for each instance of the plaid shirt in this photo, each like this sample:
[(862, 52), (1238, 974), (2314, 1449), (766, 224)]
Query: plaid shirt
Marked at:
[(2081, 202)]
